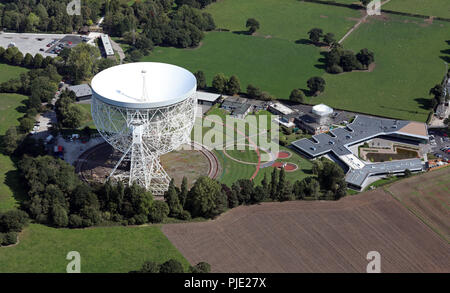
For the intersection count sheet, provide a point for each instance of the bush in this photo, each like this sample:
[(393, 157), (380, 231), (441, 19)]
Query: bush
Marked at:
[(150, 267), (185, 215), (171, 266), (9, 238), (75, 221), (335, 69), (158, 211), (13, 221), (201, 267)]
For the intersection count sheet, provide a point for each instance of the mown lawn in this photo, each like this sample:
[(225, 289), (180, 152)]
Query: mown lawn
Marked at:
[(439, 8), (285, 19), (8, 72), (408, 63), (103, 250), (9, 106), (274, 65)]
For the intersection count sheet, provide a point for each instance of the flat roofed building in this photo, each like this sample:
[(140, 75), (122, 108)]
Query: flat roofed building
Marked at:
[(205, 98), (106, 42), (363, 128), (82, 91)]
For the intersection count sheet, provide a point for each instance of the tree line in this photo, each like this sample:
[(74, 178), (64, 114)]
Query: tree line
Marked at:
[(56, 196), (173, 266), (47, 16)]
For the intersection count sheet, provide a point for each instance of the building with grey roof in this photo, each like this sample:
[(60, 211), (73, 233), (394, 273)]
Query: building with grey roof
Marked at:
[(106, 42), (205, 98), (363, 128), (82, 91)]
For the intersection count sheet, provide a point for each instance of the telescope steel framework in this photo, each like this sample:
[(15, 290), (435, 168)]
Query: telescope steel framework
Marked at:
[(143, 135)]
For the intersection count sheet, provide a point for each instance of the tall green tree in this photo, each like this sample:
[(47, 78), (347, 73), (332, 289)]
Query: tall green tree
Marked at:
[(316, 85)]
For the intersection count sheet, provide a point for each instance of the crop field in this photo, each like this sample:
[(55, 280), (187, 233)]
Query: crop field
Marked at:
[(429, 200), (10, 104), (103, 249), (313, 236), (285, 19), (408, 62), (439, 8), (8, 72)]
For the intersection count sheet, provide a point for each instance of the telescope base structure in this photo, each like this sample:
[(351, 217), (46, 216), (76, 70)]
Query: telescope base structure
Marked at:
[(145, 167)]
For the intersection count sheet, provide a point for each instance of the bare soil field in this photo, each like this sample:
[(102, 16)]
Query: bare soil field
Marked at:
[(312, 236), (429, 200)]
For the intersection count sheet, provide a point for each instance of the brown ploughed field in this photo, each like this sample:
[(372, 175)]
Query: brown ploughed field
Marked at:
[(325, 236)]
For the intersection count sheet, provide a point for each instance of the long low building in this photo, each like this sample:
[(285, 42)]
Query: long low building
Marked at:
[(337, 142)]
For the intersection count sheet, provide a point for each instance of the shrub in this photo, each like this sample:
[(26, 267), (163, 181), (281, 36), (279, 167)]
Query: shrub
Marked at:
[(9, 238), (13, 221), (75, 221), (158, 211), (171, 266), (335, 69), (150, 267), (201, 267), (185, 215)]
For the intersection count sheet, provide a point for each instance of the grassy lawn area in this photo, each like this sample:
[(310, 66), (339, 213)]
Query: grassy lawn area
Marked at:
[(88, 117), (274, 65), (8, 72), (439, 8), (9, 105), (406, 68), (285, 19), (103, 250)]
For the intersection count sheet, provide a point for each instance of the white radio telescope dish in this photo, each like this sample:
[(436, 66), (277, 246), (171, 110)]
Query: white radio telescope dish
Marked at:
[(144, 110)]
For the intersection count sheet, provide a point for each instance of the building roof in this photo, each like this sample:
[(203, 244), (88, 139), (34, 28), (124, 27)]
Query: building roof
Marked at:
[(81, 90), (283, 109), (205, 96), (322, 110), (242, 109), (107, 45), (361, 129), (358, 177)]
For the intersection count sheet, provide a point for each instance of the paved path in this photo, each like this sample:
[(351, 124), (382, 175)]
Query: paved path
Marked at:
[(363, 19)]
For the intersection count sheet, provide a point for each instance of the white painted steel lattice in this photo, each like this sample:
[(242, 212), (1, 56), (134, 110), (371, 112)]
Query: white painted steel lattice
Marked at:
[(144, 110)]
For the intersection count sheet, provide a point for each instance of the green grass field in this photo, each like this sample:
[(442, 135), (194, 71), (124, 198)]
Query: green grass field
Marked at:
[(274, 65), (8, 72), (408, 64), (439, 8), (9, 106), (285, 19), (103, 250)]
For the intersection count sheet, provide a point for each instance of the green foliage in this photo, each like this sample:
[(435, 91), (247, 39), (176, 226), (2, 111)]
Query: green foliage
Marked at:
[(252, 25), (201, 79), (205, 198), (171, 266), (253, 92), (150, 267), (219, 83), (172, 200), (158, 211), (233, 85), (297, 96), (81, 63), (13, 221), (201, 267), (316, 84), (8, 238), (315, 34)]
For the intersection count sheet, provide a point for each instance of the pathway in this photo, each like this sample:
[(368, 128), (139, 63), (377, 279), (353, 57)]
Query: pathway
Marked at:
[(363, 19)]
